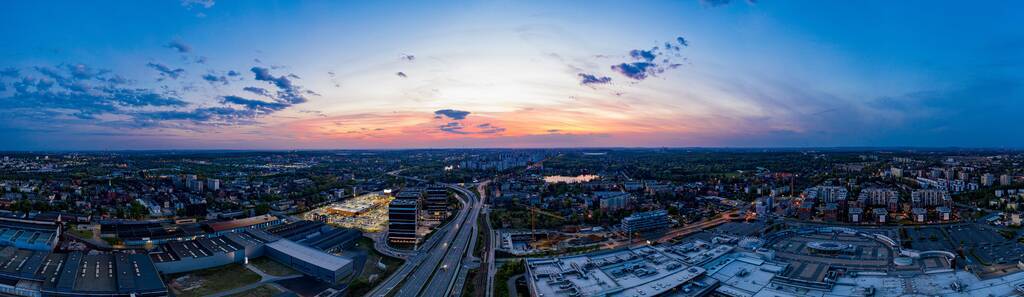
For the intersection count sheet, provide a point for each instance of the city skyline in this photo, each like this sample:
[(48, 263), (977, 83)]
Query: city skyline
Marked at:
[(384, 75)]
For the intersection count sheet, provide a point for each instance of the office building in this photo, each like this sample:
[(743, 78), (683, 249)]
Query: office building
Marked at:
[(409, 194), (645, 221), (436, 202), (402, 221)]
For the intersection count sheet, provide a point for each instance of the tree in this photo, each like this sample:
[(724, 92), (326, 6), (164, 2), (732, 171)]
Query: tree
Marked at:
[(137, 211), (262, 209)]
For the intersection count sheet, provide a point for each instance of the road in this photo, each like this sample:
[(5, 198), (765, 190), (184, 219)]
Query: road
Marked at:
[(679, 232), (411, 273), (451, 262), (446, 247), (492, 241)]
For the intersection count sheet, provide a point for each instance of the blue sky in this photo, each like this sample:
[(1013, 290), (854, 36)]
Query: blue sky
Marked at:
[(387, 74)]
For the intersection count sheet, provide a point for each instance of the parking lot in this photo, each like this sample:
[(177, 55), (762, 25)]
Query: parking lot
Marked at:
[(928, 239), (985, 245)]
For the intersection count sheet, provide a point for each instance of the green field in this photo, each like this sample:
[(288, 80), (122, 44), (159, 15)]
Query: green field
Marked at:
[(362, 284), (86, 234), (213, 280), (271, 267), (261, 291)]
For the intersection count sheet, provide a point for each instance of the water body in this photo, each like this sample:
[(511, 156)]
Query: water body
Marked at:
[(570, 179)]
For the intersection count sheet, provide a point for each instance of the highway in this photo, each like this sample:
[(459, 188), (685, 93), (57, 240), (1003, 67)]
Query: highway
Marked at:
[(452, 264), (441, 253)]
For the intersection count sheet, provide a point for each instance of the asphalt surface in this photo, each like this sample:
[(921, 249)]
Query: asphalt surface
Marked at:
[(452, 263), (445, 247)]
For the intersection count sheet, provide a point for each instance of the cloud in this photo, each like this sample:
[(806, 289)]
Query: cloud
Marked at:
[(263, 74), (205, 116), (717, 3), (401, 74), (79, 96), (334, 79), (82, 71), (652, 62), (587, 79), (167, 71), (199, 3), (451, 114), (214, 79), (9, 72), (287, 91), (179, 46), (642, 55), (233, 73), (258, 91), (258, 105), (459, 128), (637, 70), (682, 41), (83, 98), (452, 127), (714, 3)]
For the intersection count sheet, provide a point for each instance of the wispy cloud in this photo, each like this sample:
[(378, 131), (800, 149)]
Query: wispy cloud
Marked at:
[(257, 105), (179, 46), (198, 3), (166, 71)]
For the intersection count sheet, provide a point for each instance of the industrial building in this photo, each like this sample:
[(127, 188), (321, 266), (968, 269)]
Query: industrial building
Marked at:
[(135, 233), (312, 262), (308, 247), (29, 234), (256, 222), (317, 235), (41, 273), (642, 271), (203, 253)]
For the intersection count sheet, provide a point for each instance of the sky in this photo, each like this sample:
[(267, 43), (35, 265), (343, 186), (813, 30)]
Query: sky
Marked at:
[(205, 74)]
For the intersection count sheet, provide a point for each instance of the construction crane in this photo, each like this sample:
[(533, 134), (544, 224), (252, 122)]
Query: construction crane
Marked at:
[(533, 220)]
